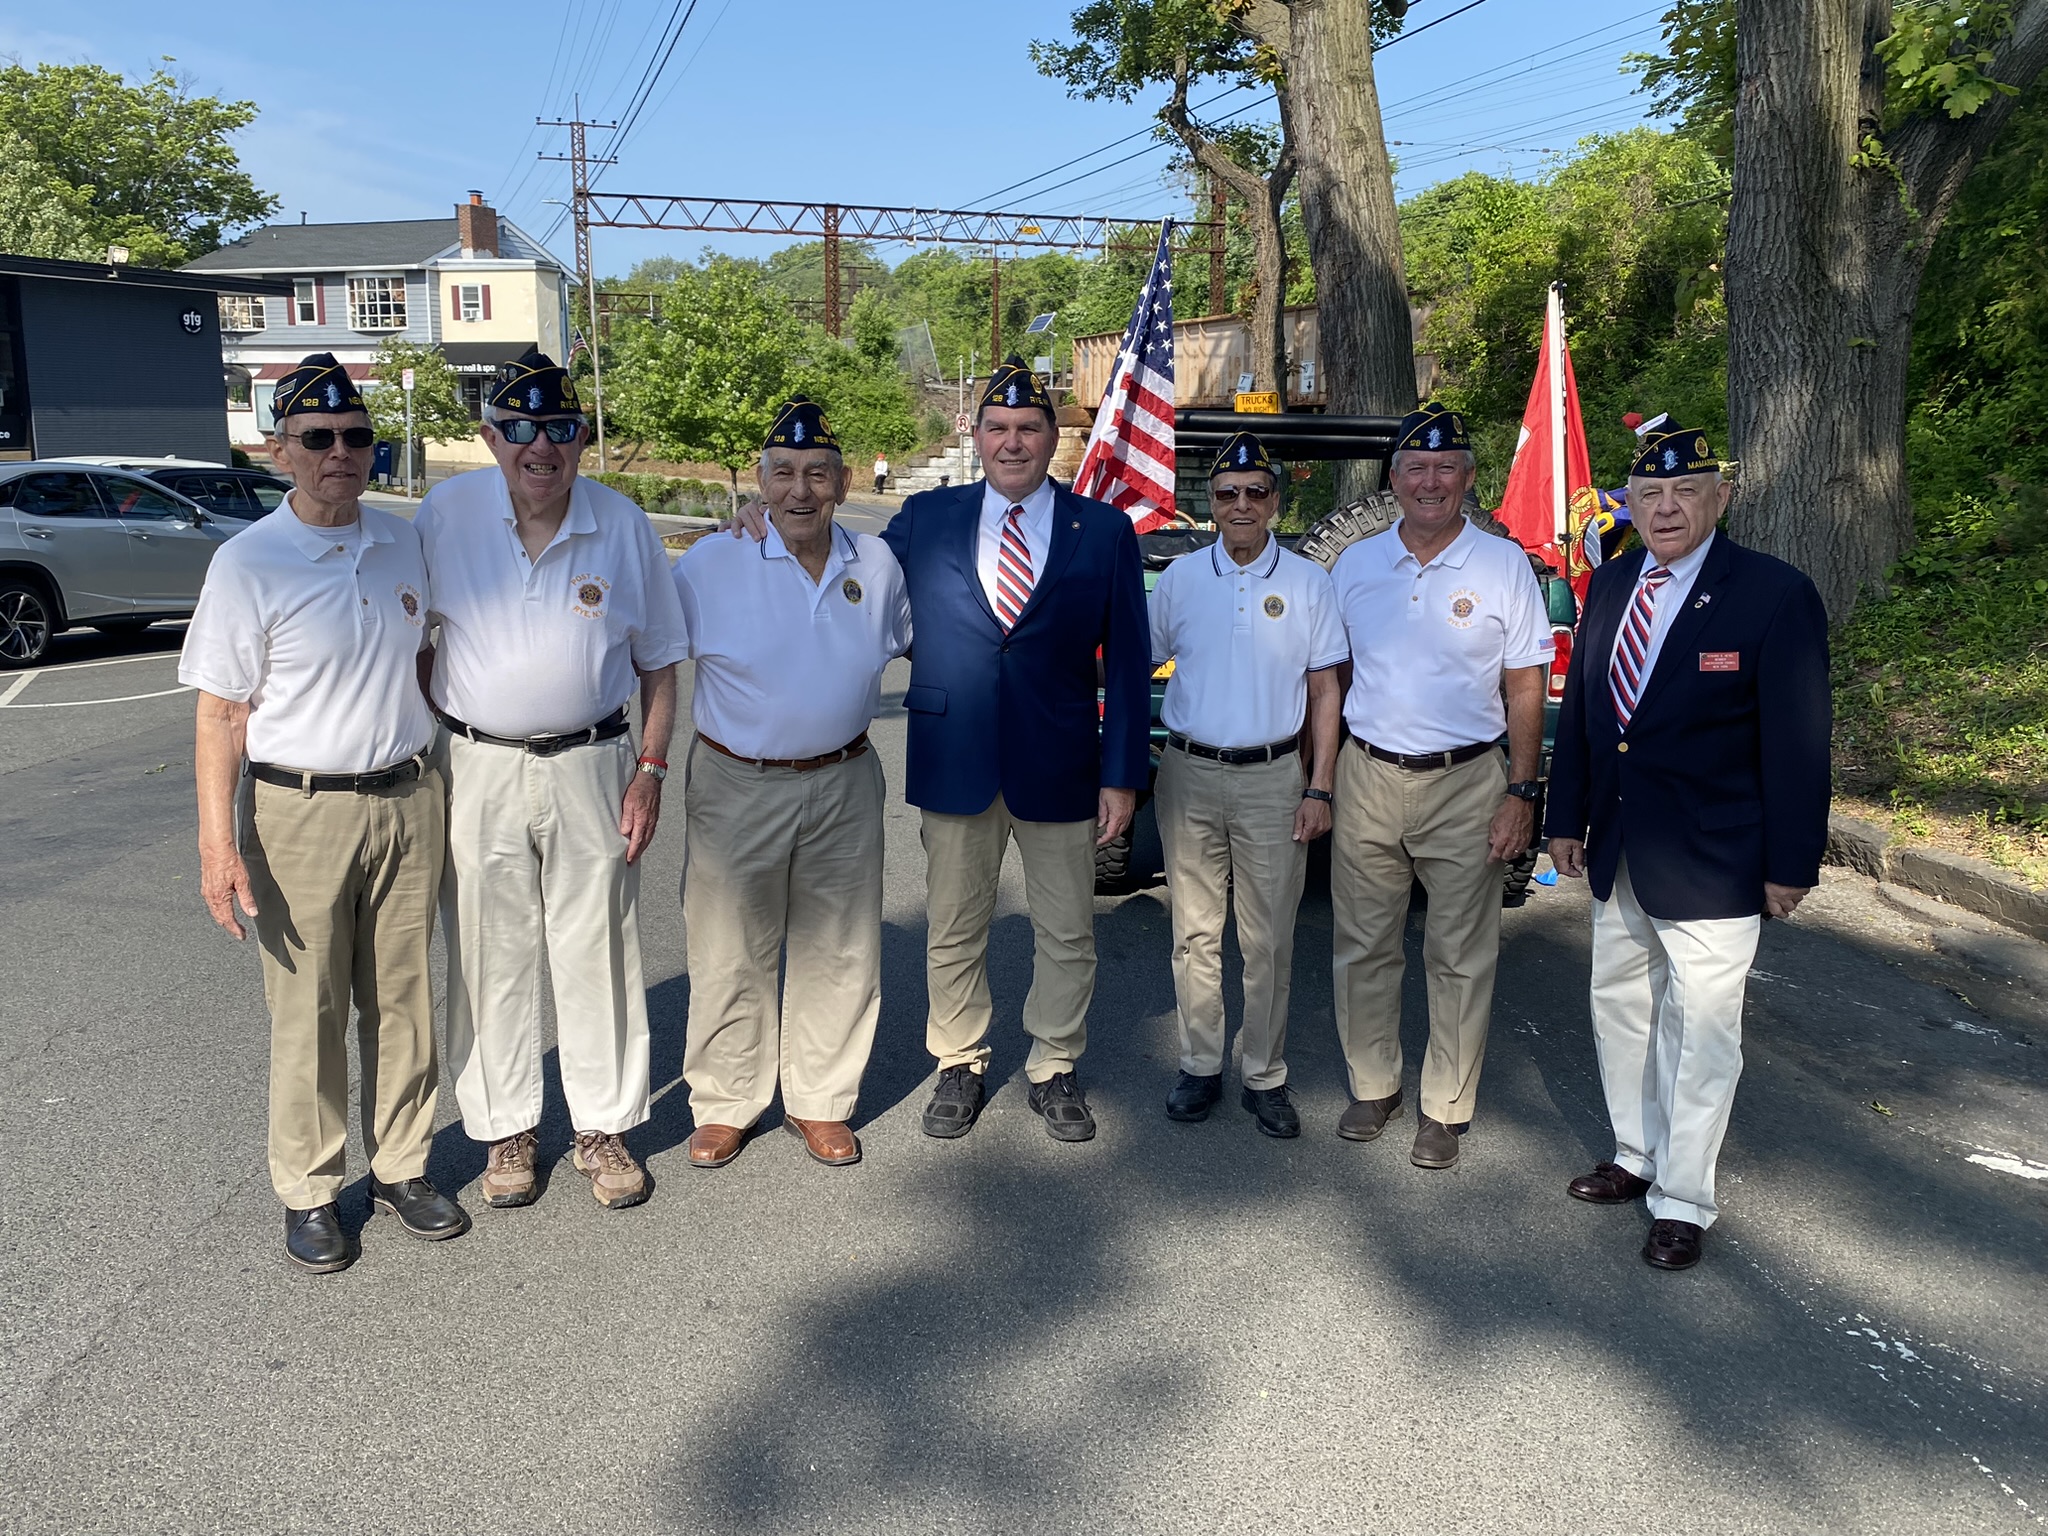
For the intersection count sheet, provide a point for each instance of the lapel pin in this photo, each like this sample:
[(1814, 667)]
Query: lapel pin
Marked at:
[(1704, 599), (1073, 525)]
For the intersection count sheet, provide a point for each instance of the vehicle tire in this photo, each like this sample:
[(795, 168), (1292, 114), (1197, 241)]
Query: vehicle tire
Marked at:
[(1113, 866), (1522, 868), (1346, 526), (27, 620), (121, 626)]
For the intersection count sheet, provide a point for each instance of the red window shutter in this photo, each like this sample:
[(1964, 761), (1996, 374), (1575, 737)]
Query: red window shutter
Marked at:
[(319, 302), (291, 307), (454, 301), (487, 300)]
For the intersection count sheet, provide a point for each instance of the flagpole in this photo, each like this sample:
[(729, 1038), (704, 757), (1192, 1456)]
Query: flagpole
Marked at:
[(1553, 338)]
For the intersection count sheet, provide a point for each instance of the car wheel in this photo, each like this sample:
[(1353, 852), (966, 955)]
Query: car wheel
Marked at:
[(1113, 866), (26, 623)]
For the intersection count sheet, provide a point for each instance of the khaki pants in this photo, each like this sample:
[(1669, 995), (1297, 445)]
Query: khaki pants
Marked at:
[(344, 886), (535, 858), (780, 857), (1394, 827), (1667, 1022), (963, 862), (1228, 835)]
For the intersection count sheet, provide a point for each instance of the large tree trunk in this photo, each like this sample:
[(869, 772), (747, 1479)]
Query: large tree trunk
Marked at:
[(1331, 107), (1823, 272)]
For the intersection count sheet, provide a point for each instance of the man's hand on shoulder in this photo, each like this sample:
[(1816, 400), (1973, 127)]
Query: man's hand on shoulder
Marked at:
[(750, 521)]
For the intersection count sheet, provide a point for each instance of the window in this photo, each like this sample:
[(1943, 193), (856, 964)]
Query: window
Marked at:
[(376, 303), (241, 312), (267, 494), (56, 496), (472, 301), (137, 499), (241, 388), (305, 301), (472, 392)]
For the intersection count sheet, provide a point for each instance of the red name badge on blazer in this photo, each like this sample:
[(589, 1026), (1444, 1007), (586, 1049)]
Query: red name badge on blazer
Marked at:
[(1720, 661)]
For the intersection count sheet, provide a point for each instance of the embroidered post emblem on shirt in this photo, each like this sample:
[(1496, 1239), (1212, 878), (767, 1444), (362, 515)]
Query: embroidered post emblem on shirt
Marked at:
[(1463, 605), (589, 593), (851, 589), (1720, 661), (1275, 605), (409, 600)]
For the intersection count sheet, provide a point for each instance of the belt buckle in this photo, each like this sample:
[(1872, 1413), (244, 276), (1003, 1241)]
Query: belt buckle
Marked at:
[(547, 746)]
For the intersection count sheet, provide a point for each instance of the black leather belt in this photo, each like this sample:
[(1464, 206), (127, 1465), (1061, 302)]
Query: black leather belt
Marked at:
[(1235, 757), (1423, 762), (612, 725), (352, 783)]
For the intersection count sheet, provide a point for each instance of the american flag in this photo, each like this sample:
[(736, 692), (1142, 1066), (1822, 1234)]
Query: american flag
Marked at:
[(576, 344), (1129, 462)]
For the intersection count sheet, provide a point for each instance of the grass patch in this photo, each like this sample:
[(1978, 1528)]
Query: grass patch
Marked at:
[(1941, 688)]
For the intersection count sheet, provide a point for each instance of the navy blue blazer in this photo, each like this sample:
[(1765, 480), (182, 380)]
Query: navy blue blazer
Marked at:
[(1015, 713), (1722, 780)]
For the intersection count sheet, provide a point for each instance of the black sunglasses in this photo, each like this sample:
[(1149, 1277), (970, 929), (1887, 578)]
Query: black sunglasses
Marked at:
[(320, 439), (1250, 492), (523, 429)]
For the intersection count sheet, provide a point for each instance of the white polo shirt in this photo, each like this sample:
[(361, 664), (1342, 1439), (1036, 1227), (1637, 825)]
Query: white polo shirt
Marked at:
[(1429, 642), (1243, 639), (1035, 525), (317, 630), (788, 667), (533, 647)]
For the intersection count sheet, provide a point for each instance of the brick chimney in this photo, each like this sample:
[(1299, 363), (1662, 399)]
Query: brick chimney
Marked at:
[(477, 223)]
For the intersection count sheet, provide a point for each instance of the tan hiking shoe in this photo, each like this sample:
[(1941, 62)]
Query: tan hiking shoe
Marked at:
[(615, 1178), (508, 1176)]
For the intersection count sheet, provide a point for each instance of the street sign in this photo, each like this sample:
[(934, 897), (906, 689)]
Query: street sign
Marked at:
[(1308, 376), (1041, 365), (1264, 403), (1244, 382), (405, 380), (963, 422)]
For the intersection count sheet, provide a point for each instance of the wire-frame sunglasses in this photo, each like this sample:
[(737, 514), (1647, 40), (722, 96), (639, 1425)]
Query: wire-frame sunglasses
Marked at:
[(320, 439), (523, 429)]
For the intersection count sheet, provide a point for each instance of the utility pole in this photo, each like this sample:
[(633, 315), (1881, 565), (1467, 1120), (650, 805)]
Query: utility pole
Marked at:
[(995, 309), (832, 268), (579, 193), (1216, 285)]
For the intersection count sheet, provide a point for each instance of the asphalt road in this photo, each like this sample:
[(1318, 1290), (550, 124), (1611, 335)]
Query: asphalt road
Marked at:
[(1172, 1328)]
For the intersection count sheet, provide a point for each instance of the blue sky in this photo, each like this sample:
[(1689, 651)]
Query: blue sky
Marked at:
[(920, 102)]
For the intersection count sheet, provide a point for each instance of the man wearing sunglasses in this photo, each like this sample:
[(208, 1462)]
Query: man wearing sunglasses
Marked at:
[(305, 653), (1251, 713), (552, 595)]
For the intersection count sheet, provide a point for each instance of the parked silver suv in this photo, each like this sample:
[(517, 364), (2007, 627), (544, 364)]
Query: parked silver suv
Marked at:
[(84, 544)]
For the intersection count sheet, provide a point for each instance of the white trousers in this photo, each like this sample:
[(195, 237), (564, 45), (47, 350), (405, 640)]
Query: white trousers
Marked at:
[(535, 858), (1667, 1021)]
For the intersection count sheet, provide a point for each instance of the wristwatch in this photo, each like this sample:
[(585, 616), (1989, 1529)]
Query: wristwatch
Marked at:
[(1317, 794), (655, 767), (1526, 789)]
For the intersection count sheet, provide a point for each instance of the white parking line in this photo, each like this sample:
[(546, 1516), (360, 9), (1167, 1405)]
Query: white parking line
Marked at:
[(14, 689), (126, 698), (114, 661)]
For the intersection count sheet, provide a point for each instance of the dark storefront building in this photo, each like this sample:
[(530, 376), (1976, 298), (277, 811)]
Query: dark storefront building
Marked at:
[(102, 359)]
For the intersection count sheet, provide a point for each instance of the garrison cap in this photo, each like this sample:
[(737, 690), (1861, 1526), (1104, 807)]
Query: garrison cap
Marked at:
[(1012, 384), (1432, 429), (800, 424), (535, 386), (319, 383), (1242, 452), (1669, 451)]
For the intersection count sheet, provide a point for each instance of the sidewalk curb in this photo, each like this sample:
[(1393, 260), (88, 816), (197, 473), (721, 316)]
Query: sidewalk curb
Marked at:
[(1971, 884)]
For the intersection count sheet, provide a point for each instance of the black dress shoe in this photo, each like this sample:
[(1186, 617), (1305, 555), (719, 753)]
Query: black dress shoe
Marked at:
[(421, 1209), (1608, 1184), (314, 1240), (1673, 1245), (955, 1104), (1193, 1097), (1273, 1110), (1366, 1118), (1058, 1102), (1436, 1145)]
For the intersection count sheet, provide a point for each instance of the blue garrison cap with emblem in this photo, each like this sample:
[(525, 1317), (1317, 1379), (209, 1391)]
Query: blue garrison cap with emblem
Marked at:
[(1242, 452), (1432, 428), (1669, 451), (536, 386), (318, 384), (800, 424), (1013, 384)]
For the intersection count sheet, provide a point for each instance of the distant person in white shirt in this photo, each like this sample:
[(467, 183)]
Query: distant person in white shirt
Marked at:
[(784, 804), (1252, 713), (305, 653), (1443, 620), (553, 595), (881, 472)]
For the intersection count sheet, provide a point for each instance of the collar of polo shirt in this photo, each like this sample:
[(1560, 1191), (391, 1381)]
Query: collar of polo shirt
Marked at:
[(317, 543), (1262, 565), (1453, 554), (843, 545)]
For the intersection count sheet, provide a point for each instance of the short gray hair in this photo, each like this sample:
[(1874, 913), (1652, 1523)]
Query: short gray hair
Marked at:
[(1394, 461)]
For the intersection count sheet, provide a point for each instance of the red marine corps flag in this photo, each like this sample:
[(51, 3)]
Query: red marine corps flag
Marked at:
[(1129, 462), (1550, 487)]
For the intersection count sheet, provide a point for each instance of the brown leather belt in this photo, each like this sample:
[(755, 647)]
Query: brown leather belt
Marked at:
[(1423, 762), (851, 750)]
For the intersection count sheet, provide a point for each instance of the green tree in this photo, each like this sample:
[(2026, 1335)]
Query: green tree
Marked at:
[(39, 214), (438, 414), (704, 381), (153, 158), (860, 382)]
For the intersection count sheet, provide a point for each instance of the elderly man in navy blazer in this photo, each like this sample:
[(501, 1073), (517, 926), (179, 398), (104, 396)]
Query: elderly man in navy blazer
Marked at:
[(1017, 586), (1690, 782)]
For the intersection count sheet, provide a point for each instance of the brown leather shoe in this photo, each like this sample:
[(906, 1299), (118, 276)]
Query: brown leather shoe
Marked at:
[(713, 1146), (1673, 1244), (1436, 1145), (1366, 1118), (831, 1142), (1608, 1184), (508, 1174)]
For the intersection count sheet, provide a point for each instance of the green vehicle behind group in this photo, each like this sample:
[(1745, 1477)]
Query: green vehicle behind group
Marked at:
[(1303, 440)]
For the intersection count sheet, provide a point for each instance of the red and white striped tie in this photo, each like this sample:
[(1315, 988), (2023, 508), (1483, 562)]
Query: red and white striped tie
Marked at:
[(1625, 677), (1013, 570)]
